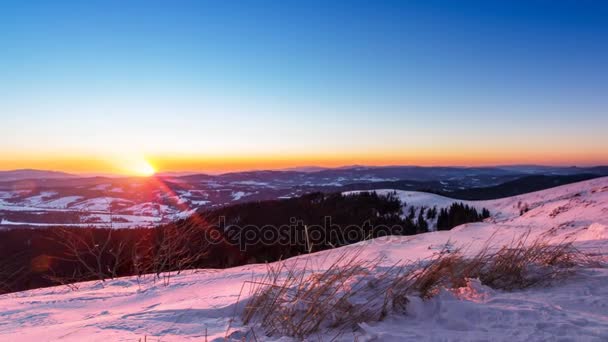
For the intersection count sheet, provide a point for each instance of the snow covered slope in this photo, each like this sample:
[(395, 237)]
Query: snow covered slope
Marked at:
[(201, 304)]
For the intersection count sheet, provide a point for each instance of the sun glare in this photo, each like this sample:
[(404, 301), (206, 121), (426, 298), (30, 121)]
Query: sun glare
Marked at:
[(144, 169)]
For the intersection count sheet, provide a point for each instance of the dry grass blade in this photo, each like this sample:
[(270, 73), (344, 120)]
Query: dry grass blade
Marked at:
[(291, 300), (296, 301)]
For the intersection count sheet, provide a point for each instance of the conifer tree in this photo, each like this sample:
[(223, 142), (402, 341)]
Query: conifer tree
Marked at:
[(421, 225)]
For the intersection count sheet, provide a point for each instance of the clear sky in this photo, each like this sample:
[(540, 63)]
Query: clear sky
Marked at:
[(102, 86)]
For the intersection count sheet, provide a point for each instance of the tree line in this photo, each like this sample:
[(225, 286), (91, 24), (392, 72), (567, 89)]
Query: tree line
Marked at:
[(459, 213), (253, 232)]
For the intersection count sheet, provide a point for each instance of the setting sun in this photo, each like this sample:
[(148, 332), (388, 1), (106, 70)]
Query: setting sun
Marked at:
[(144, 169)]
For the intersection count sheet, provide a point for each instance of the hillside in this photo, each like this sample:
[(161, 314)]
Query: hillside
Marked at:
[(51, 199), (519, 186), (23, 174), (207, 304)]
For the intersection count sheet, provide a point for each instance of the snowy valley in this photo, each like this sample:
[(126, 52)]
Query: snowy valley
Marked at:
[(31, 198)]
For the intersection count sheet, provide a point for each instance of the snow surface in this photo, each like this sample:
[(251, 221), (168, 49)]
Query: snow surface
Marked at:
[(99, 203), (199, 305), (101, 187), (238, 195), (39, 199), (200, 203), (251, 182), (62, 202)]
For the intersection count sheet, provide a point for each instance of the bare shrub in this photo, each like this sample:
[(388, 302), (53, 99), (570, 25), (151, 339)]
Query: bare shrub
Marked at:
[(102, 254), (177, 248), (11, 273), (96, 254)]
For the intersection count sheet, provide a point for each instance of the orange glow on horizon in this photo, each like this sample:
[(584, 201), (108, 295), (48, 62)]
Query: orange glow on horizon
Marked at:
[(140, 166)]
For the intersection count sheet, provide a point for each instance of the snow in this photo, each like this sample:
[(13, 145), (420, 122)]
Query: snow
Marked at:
[(6, 222), (40, 198), (134, 221), (7, 194), (418, 200), (200, 203), (107, 188), (147, 209), (331, 184), (41, 201), (99, 203), (422, 199), (101, 187), (62, 202), (200, 305), (573, 311), (376, 179), (238, 195), (251, 182)]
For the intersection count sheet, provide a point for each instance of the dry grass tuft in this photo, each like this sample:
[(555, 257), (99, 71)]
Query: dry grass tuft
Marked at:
[(296, 301), (514, 266), (521, 265)]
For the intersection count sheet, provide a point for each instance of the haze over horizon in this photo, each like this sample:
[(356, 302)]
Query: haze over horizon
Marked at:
[(151, 86), (303, 168)]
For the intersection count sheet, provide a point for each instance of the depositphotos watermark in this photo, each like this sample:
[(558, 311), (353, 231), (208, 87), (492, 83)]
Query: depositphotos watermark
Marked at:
[(297, 233)]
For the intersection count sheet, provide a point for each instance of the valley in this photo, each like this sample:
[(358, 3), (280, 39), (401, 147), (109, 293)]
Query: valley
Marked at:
[(56, 199)]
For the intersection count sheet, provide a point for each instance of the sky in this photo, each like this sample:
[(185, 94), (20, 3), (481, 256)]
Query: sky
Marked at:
[(117, 86)]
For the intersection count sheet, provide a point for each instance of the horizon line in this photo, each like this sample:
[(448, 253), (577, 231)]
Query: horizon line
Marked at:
[(295, 169)]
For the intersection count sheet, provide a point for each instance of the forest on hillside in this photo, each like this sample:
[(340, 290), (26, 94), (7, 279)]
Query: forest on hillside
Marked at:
[(234, 235)]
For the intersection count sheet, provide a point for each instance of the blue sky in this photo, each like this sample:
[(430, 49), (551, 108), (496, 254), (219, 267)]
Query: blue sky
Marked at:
[(429, 82)]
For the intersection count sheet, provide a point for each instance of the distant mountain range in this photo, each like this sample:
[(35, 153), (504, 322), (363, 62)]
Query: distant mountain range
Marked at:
[(400, 172), (13, 175), (40, 198)]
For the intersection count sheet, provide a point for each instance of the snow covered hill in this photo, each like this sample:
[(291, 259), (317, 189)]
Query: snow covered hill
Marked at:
[(206, 304), (34, 198)]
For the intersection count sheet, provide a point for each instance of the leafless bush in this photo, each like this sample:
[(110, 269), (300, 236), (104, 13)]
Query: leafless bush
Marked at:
[(178, 248), (102, 254), (11, 273), (96, 254)]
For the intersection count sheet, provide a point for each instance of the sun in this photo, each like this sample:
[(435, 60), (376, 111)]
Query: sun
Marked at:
[(144, 169)]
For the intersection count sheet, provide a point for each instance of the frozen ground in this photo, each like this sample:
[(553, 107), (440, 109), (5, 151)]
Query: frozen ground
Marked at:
[(201, 304)]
